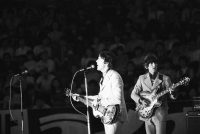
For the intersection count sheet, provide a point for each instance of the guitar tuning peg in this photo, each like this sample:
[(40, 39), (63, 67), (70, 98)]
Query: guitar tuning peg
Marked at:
[(67, 92)]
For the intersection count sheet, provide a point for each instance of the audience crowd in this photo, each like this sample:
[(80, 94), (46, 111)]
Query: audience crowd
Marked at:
[(54, 40)]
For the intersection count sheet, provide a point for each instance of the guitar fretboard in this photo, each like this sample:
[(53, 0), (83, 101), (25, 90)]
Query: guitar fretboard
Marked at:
[(83, 100), (98, 107), (167, 90)]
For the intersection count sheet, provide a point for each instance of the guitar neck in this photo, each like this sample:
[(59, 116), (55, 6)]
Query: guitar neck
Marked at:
[(167, 90), (83, 100), (98, 107)]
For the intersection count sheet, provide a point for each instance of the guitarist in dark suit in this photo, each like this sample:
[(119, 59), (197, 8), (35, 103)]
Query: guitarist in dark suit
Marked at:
[(152, 81)]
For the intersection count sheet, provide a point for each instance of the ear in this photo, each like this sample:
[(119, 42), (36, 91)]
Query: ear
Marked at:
[(145, 66), (105, 62)]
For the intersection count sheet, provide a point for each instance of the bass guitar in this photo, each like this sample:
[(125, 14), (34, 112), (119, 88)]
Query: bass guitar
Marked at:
[(107, 114), (146, 111)]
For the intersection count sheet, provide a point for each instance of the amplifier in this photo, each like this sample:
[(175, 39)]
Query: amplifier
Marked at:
[(193, 122)]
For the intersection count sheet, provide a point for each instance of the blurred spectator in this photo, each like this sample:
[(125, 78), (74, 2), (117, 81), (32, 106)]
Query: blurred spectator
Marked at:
[(30, 96), (8, 65), (57, 94), (134, 41), (138, 55), (41, 102), (44, 82), (38, 49), (45, 62), (168, 68), (97, 45), (172, 39), (107, 31), (15, 98), (160, 51), (23, 48), (193, 68), (117, 43), (182, 66), (182, 70), (5, 48), (47, 46), (29, 79), (56, 34), (176, 52), (87, 57), (30, 62), (121, 60), (129, 79)]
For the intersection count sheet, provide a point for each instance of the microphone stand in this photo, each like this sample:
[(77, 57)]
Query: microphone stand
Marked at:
[(86, 92), (22, 115)]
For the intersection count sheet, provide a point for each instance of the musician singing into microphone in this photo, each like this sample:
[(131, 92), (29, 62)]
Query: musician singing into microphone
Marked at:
[(151, 82), (110, 94)]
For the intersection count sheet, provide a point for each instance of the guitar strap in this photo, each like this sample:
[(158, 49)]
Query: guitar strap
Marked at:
[(160, 77), (161, 84)]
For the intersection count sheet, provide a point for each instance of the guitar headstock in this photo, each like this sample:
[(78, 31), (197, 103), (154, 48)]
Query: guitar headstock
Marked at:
[(67, 92), (185, 81)]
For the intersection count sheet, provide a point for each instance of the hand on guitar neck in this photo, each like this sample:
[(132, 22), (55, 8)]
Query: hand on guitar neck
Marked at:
[(171, 92), (76, 97)]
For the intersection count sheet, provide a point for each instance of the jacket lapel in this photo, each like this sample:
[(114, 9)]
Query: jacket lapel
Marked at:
[(157, 81), (104, 81), (147, 81)]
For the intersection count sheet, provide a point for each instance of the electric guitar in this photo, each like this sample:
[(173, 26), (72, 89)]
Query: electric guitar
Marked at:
[(146, 111), (107, 114)]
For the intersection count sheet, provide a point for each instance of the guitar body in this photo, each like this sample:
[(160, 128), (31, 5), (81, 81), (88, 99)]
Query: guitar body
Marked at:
[(111, 114), (108, 115), (147, 111)]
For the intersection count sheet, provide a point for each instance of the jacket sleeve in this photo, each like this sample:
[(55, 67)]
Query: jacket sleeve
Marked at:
[(168, 84), (136, 90), (113, 95), (117, 87)]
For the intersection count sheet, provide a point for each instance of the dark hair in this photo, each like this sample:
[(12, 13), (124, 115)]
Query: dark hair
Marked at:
[(149, 59), (107, 56)]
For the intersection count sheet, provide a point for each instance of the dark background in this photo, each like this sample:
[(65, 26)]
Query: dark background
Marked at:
[(52, 39)]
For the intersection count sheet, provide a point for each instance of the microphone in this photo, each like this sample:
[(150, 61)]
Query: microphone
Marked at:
[(22, 73), (91, 67)]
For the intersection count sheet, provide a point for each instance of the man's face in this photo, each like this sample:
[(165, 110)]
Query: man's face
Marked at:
[(152, 67), (100, 63)]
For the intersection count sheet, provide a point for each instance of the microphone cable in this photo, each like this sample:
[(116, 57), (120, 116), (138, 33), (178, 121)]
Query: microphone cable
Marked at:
[(21, 102), (71, 97), (10, 99)]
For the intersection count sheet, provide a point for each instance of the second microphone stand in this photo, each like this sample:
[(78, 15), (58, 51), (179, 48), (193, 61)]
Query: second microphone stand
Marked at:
[(86, 92)]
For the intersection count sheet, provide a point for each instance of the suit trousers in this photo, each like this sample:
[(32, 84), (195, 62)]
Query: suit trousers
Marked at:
[(155, 126)]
